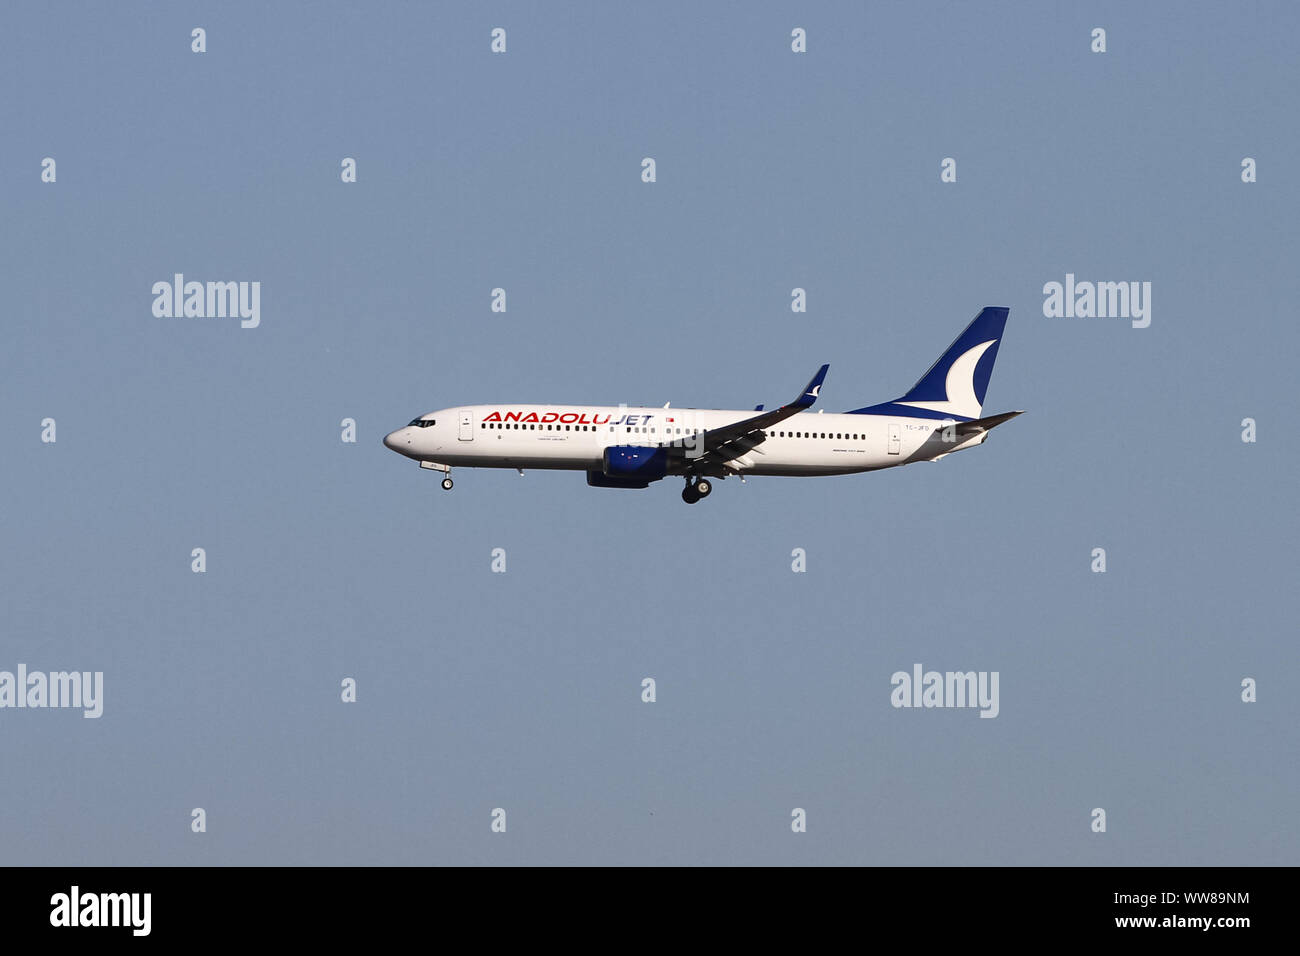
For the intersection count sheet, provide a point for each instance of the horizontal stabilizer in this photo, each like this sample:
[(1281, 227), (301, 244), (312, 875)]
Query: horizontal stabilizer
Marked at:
[(984, 424)]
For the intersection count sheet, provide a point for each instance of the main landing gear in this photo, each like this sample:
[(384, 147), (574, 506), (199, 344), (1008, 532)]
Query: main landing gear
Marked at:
[(695, 490)]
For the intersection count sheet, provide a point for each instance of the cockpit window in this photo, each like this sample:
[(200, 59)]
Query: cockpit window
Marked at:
[(421, 422)]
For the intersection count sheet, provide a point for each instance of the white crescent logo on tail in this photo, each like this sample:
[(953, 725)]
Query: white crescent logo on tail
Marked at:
[(813, 392), (959, 386)]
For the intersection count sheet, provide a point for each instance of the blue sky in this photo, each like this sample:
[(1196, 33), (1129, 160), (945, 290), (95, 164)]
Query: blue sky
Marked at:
[(522, 690)]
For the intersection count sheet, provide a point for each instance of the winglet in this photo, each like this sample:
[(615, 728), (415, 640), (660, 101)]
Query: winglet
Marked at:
[(810, 393)]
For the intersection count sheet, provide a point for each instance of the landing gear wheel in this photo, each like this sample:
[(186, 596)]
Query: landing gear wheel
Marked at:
[(702, 488), (689, 495), (447, 484)]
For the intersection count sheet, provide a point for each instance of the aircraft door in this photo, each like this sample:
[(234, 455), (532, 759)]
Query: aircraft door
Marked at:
[(895, 439), (466, 426)]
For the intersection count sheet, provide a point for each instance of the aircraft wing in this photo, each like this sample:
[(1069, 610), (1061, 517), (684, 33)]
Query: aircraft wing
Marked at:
[(718, 446)]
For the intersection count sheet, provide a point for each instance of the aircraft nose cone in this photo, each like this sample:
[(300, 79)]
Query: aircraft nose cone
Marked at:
[(390, 441)]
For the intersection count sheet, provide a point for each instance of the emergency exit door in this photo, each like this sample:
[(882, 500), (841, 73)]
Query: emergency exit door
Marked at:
[(895, 439), (466, 426)]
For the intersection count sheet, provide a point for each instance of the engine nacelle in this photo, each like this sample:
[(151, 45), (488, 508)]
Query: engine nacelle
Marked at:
[(598, 480), (635, 462)]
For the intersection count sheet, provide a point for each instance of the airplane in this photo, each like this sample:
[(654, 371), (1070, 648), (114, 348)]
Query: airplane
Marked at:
[(625, 447)]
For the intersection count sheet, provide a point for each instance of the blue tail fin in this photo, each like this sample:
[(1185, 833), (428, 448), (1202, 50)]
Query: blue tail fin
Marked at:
[(954, 387)]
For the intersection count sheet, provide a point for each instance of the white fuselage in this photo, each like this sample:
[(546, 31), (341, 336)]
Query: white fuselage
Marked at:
[(576, 436)]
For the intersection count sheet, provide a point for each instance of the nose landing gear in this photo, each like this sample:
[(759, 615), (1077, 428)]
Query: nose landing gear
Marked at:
[(695, 490), (438, 466)]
